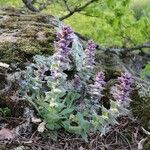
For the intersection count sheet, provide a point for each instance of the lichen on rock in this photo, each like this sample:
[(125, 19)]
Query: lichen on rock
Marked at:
[(140, 104), (23, 35)]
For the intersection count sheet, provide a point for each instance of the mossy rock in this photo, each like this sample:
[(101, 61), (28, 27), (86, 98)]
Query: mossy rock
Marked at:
[(3, 147), (141, 109), (23, 35), (110, 63), (147, 144)]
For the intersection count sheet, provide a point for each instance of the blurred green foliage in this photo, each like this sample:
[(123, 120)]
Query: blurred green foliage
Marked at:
[(5, 112), (141, 8), (116, 23), (13, 3), (145, 73)]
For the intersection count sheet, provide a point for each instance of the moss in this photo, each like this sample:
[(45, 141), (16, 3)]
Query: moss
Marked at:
[(147, 144), (109, 62), (23, 49), (3, 147), (29, 47), (28, 34), (141, 108)]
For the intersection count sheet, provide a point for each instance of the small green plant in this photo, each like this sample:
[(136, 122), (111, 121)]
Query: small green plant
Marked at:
[(145, 73), (4, 112)]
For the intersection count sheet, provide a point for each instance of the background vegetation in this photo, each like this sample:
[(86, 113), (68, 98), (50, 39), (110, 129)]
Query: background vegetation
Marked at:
[(112, 23)]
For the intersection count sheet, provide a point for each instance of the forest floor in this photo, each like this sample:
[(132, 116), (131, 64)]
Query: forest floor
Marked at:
[(128, 135)]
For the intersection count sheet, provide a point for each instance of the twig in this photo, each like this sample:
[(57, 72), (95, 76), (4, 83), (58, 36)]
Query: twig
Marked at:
[(88, 15), (31, 138), (77, 9), (121, 51), (66, 5), (124, 139), (145, 131), (138, 47), (4, 65), (141, 143)]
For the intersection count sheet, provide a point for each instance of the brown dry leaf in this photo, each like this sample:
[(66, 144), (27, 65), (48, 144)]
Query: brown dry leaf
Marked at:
[(4, 65), (141, 143), (90, 146), (41, 127), (35, 120), (81, 148), (6, 134)]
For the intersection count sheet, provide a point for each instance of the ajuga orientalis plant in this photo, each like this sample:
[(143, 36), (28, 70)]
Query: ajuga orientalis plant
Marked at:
[(66, 92)]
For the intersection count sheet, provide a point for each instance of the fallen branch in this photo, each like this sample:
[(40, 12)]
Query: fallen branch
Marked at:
[(145, 131)]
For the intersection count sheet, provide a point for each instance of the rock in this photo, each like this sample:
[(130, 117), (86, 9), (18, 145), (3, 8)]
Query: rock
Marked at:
[(3, 147), (23, 35), (140, 104), (110, 63), (147, 144)]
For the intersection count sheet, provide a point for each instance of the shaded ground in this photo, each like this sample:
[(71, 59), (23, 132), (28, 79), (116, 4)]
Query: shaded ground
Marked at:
[(125, 136)]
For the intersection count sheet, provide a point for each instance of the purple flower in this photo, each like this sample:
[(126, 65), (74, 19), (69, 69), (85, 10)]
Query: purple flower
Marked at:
[(99, 78), (77, 84), (56, 74), (65, 33), (122, 89), (98, 86), (90, 54), (61, 57)]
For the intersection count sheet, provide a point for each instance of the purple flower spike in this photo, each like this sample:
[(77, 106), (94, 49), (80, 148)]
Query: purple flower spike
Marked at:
[(99, 78), (90, 54), (91, 45), (62, 46), (98, 86), (77, 83), (56, 74), (122, 89), (65, 33)]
